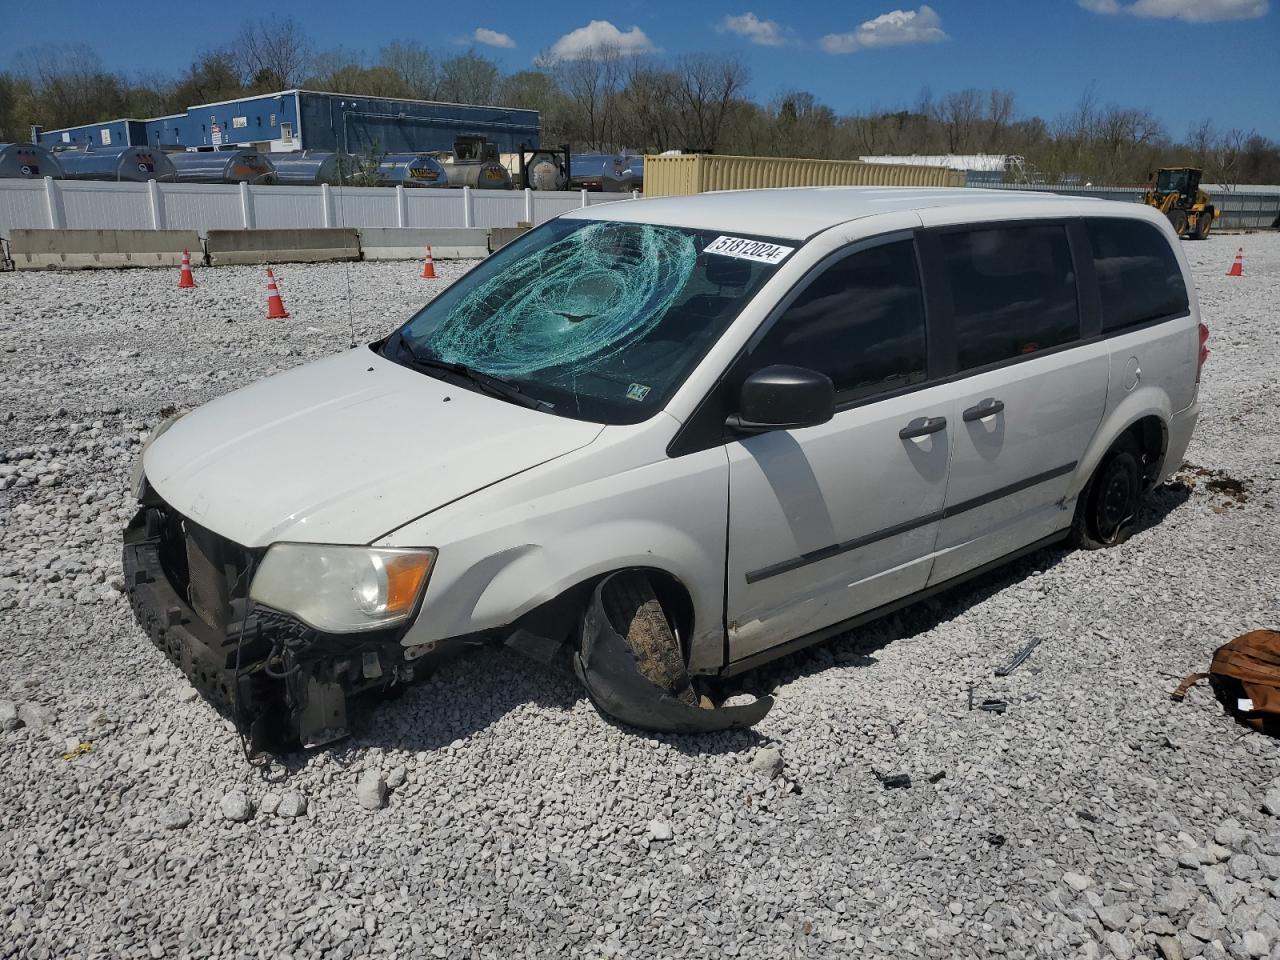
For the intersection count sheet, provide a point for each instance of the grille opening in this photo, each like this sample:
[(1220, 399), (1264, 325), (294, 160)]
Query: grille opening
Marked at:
[(205, 569)]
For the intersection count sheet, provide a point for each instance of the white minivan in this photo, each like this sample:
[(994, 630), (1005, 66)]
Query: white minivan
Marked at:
[(675, 438)]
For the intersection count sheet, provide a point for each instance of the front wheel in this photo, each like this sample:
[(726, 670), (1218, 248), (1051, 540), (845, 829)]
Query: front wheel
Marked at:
[(635, 612), (631, 664), (1107, 510), (1178, 218), (1204, 223)]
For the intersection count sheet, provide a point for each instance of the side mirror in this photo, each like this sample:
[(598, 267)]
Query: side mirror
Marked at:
[(783, 397)]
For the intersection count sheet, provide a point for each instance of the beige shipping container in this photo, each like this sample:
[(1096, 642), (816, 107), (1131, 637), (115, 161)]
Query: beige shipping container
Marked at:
[(678, 176)]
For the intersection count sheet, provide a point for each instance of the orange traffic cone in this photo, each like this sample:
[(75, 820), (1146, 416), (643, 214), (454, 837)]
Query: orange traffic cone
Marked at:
[(429, 268), (186, 281), (275, 306), (1237, 268)]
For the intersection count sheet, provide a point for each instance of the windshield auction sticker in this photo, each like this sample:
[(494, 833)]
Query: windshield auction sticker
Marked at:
[(757, 250)]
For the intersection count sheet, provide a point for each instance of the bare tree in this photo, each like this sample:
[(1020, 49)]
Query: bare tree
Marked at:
[(326, 68), (591, 84), (1228, 150), (414, 65), (468, 78), (70, 84), (648, 105), (706, 87), (803, 127), (960, 114), (213, 76), (1125, 144), (537, 90), (999, 115), (1200, 140), (272, 53), (864, 134), (10, 112)]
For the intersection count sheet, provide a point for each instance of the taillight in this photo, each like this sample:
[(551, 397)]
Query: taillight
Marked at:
[(1204, 350)]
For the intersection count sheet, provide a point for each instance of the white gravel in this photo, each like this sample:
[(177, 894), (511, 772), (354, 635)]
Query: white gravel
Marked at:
[(1095, 817)]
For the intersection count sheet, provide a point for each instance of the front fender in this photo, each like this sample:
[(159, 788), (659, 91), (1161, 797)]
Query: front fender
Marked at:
[(508, 552), (538, 573)]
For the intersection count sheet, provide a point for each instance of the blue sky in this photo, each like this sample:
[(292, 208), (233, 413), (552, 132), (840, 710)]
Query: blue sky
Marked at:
[(1183, 59)]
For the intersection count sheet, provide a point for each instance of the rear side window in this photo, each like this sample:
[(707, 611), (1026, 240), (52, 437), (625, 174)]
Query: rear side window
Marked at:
[(861, 322), (1138, 275), (1013, 291)]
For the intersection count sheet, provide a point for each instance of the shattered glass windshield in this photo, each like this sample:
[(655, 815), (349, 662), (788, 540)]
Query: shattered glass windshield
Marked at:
[(598, 320)]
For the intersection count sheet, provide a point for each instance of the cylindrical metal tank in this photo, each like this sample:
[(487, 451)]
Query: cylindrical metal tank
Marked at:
[(622, 174), (222, 166), (412, 170), (28, 161), (117, 163), (312, 167), (546, 172), (587, 170), (478, 175)]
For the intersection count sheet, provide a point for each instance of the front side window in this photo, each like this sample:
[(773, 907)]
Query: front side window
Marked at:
[(1138, 275), (1013, 292), (598, 320), (861, 322)]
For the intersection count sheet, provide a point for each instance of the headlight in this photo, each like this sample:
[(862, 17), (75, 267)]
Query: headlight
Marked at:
[(136, 474), (343, 589)]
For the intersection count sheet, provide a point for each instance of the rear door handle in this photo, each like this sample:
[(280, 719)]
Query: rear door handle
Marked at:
[(986, 408), (922, 427)]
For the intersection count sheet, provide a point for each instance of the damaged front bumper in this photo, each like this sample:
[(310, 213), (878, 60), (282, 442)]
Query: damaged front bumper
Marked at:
[(281, 680)]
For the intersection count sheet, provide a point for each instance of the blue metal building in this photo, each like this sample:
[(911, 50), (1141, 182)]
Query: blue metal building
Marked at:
[(313, 120), (111, 133)]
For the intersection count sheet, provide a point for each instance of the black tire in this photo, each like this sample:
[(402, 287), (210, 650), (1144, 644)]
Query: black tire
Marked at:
[(636, 614), (1204, 223), (1107, 510), (1178, 218)]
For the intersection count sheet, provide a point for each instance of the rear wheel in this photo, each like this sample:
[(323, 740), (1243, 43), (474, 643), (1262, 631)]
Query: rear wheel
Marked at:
[(635, 612), (1108, 508), (1179, 220)]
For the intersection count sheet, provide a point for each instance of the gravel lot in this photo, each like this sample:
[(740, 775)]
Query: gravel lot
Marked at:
[(1094, 818)]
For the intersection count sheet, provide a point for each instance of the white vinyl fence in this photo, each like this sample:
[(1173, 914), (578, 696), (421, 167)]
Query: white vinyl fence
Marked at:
[(104, 205)]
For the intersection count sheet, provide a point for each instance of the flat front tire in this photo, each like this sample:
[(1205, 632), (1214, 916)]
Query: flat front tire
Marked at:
[(636, 614)]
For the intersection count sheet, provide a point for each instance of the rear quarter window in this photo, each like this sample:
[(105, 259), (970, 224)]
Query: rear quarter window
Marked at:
[(1013, 291), (1139, 279)]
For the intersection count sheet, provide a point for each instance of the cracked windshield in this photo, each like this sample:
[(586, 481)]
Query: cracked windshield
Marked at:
[(599, 320)]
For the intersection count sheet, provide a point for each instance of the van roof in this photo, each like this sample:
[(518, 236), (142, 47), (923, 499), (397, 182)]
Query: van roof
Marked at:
[(798, 213)]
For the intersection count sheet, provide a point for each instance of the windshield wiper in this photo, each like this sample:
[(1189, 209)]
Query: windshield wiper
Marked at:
[(493, 385)]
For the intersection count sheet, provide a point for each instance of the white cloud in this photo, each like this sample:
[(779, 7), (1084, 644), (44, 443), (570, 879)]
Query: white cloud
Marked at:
[(492, 38), (893, 29), (596, 37), (1193, 11), (766, 33)]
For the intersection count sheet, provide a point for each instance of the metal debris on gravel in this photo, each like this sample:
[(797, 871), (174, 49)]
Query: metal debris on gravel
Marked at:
[(522, 824)]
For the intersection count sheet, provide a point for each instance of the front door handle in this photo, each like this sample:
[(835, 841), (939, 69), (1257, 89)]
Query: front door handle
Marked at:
[(986, 408), (922, 427)]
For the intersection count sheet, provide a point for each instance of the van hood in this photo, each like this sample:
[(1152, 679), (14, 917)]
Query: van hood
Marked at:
[(345, 450)]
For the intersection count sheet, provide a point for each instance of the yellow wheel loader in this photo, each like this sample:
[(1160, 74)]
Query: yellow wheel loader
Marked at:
[(1176, 193)]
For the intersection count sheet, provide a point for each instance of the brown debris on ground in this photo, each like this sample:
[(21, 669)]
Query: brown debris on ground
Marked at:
[(1235, 492)]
